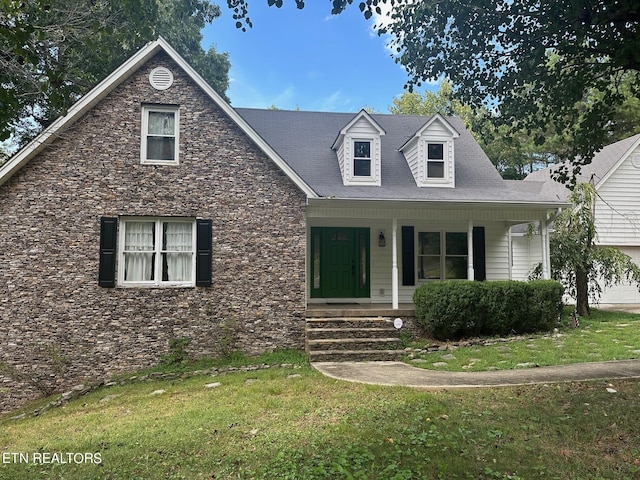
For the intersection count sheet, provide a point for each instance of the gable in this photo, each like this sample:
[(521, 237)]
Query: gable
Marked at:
[(358, 150), (104, 88), (430, 153)]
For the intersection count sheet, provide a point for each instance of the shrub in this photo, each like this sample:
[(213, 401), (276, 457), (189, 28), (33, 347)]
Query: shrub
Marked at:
[(458, 309)]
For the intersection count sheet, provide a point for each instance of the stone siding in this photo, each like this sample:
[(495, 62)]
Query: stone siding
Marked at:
[(53, 315)]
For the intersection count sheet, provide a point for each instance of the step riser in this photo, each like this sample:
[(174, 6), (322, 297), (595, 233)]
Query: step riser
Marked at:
[(353, 344), (356, 356), (318, 334), (352, 339)]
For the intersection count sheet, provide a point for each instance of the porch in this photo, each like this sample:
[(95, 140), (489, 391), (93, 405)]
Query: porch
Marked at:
[(350, 310)]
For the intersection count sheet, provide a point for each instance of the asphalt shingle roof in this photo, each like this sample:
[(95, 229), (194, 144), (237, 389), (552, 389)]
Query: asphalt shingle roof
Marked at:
[(602, 162), (304, 139)]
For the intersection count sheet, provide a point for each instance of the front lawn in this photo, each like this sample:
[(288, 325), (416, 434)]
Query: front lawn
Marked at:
[(290, 422), (603, 336)]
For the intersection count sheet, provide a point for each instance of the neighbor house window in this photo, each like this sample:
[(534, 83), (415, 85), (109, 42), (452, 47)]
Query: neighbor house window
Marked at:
[(442, 256), (361, 158), (157, 252), (435, 160), (160, 127)]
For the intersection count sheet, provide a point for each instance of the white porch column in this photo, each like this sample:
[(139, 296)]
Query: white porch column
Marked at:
[(394, 264), (544, 236), (470, 272)]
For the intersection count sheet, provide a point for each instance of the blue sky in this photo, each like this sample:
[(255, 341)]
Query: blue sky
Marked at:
[(306, 58)]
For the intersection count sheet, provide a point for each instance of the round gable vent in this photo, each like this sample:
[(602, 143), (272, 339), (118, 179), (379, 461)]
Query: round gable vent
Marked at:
[(635, 160), (161, 78)]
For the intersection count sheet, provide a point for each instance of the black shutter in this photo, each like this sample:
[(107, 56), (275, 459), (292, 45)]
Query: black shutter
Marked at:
[(479, 259), (108, 242), (408, 257), (203, 253)]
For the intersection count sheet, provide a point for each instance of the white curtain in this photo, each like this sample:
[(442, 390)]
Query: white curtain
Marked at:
[(178, 251), (161, 138), (161, 123), (138, 251)]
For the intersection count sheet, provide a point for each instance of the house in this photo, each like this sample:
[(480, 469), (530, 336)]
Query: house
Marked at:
[(615, 173), (154, 210)]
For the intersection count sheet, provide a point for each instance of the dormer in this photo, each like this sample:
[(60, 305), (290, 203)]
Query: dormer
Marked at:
[(358, 150), (430, 155)]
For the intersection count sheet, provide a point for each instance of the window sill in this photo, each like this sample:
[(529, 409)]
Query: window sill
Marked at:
[(155, 285)]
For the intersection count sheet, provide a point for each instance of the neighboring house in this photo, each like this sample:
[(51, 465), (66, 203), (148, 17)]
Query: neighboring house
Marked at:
[(615, 172), (154, 210)]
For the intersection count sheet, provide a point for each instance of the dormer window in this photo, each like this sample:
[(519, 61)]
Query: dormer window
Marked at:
[(358, 148), (362, 158), (429, 153), (435, 160)]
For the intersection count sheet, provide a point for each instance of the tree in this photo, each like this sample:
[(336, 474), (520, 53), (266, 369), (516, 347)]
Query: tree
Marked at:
[(558, 63), (577, 261), (54, 51), (430, 103)]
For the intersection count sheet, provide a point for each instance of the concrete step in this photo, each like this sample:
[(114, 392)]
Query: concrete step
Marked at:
[(350, 322), (356, 355), (350, 332), (389, 343), (334, 339)]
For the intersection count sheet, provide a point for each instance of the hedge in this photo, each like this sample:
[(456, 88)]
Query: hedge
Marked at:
[(452, 310)]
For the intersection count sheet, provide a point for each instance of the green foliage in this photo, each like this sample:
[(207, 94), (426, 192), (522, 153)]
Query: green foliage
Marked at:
[(56, 51), (430, 103), (603, 336), (44, 379), (550, 68), (577, 261), (459, 309), (177, 352), (550, 63)]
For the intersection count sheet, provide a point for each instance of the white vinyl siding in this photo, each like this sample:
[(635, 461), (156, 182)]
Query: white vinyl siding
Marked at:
[(618, 206), (416, 153), (625, 293), (496, 242), (361, 131), (526, 254)]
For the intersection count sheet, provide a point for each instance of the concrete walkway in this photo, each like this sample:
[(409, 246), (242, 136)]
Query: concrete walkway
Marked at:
[(399, 373)]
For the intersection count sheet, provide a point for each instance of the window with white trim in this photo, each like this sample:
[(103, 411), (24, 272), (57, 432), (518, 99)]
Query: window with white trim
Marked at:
[(160, 134), (442, 255), (361, 158), (157, 252), (435, 160)]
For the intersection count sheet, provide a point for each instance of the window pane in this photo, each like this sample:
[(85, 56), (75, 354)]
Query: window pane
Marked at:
[(177, 251), (362, 149), (362, 168), (139, 244), (429, 243), (161, 148), (456, 243), (455, 268), (162, 123), (429, 268), (435, 151), (435, 169)]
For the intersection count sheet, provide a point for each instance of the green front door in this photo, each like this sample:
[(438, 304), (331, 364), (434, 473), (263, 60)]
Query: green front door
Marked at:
[(340, 266)]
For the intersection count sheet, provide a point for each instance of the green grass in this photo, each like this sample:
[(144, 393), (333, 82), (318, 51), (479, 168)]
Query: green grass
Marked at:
[(604, 336), (292, 423)]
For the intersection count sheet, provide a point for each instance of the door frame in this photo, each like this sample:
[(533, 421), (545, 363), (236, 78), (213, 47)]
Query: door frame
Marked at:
[(360, 254)]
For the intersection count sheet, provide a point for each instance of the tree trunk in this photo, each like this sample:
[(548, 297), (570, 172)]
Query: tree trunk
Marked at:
[(582, 293)]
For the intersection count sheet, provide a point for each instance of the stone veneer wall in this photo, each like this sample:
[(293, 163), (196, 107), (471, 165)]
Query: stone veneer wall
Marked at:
[(51, 307)]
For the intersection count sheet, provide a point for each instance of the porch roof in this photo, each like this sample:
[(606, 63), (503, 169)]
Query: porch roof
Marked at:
[(304, 139)]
